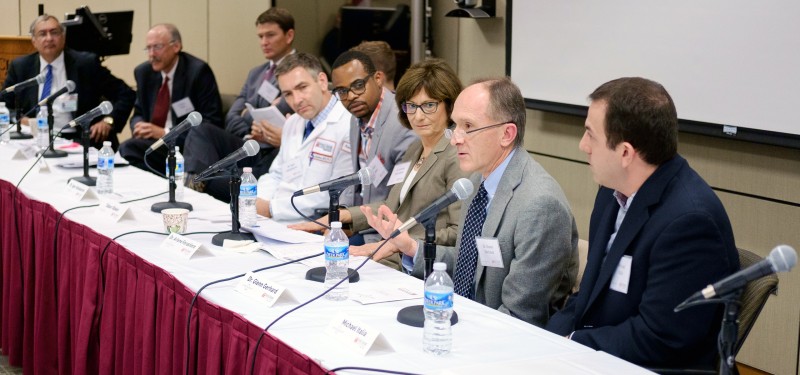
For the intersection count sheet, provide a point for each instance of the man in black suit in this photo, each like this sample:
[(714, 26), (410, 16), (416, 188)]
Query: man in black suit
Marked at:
[(170, 85), (93, 82), (658, 233)]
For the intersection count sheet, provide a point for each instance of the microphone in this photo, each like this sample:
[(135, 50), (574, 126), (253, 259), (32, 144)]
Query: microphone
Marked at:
[(192, 120), (69, 87), (103, 109), (28, 82), (362, 177), (781, 259), (250, 148), (461, 189)]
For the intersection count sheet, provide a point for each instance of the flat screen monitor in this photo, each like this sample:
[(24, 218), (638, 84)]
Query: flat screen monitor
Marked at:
[(372, 23), (105, 34)]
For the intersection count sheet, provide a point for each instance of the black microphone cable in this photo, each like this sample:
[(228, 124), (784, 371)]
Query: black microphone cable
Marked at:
[(305, 216), (371, 369), (194, 299), (158, 173)]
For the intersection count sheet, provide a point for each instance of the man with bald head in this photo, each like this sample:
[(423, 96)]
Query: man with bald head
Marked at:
[(170, 85)]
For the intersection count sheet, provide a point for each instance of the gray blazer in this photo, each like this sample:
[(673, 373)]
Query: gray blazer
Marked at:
[(530, 217), (239, 125), (390, 140)]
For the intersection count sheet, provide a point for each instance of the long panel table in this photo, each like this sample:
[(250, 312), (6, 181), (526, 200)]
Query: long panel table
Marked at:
[(76, 302)]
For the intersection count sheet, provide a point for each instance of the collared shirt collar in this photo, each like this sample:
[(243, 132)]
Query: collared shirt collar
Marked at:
[(323, 114), (493, 181), (276, 63), (58, 64)]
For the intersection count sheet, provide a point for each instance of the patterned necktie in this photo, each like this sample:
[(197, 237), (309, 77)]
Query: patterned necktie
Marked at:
[(48, 82), (161, 108), (269, 75), (468, 255), (309, 129)]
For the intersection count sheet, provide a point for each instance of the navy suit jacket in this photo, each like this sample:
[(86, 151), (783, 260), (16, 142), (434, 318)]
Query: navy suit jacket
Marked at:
[(93, 83), (679, 238), (193, 79)]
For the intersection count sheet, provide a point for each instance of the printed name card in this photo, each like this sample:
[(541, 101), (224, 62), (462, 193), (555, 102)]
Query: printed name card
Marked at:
[(263, 290), (181, 246), (114, 210), (78, 190), (357, 336), (25, 152)]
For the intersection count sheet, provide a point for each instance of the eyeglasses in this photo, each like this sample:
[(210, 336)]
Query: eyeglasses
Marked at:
[(157, 47), (461, 134), (55, 33), (358, 87), (427, 108)]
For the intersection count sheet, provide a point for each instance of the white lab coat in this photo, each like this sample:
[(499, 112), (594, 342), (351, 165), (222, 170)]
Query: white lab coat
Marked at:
[(323, 156)]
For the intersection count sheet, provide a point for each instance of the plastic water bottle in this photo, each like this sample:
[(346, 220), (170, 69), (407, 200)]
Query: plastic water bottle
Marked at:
[(43, 130), (337, 258), (248, 191), (105, 169), (5, 123), (437, 338), (179, 169)]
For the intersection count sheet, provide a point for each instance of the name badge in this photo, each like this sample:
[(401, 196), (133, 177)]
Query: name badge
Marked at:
[(182, 107), (323, 150), (489, 252), (622, 276), (181, 246), (114, 210), (293, 171), (66, 103), (346, 147), (356, 336), (377, 171), (268, 91), (399, 173), (78, 190), (263, 290)]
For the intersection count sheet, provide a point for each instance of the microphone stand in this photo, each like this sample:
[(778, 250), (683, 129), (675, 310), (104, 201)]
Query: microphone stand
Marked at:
[(234, 233), (415, 315), (51, 152), (171, 203), (318, 273), (18, 134), (85, 179), (729, 330)]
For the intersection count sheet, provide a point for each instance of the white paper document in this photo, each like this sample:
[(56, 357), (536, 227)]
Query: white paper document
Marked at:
[(369, 293), (271, 229), (269, 114)]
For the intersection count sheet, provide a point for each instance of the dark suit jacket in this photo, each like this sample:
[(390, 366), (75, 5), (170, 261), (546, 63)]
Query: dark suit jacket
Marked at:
[(680, 240), (93, 83), (193, 79)]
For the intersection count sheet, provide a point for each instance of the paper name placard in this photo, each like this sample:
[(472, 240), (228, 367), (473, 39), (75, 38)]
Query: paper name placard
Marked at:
[(79, 191), (114, 210), (181, 246), (43, 166), (357, 336), (25, 153), (263, 290)]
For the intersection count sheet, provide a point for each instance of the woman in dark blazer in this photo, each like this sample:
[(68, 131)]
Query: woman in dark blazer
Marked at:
[(425, 96)]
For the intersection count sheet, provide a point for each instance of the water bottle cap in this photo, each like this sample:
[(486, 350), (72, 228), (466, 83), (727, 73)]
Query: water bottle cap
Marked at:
[(336, 225), (440, 266), (247, 170), (106, 143)]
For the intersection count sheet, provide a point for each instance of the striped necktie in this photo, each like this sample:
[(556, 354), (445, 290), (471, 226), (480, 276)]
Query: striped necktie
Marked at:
[(48, 82)]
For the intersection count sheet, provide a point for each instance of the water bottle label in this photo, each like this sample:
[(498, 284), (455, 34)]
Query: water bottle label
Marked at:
[(178, 169), (105, 163), (4, 119), (248, 190), (41, 123), (337, 253), (438, 301)]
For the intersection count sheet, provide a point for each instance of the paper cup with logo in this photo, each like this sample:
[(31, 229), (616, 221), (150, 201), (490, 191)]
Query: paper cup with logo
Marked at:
[(175, 219)]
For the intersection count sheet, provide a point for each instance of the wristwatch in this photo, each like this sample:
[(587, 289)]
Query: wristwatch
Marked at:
[(109, 120)]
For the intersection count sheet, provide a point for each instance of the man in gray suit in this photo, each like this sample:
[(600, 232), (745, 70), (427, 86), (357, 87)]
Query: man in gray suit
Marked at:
[(377, 140), (518, 213)]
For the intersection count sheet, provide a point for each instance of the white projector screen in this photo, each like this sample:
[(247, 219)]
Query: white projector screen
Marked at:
[(731, 66)]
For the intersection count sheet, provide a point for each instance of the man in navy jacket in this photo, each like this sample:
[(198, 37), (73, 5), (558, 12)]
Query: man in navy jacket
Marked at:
[(658, 233)]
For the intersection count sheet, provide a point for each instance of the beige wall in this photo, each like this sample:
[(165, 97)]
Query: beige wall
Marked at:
[(224, 35)]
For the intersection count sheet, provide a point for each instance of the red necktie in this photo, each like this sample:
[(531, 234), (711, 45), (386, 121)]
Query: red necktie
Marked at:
[(161, 109)]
